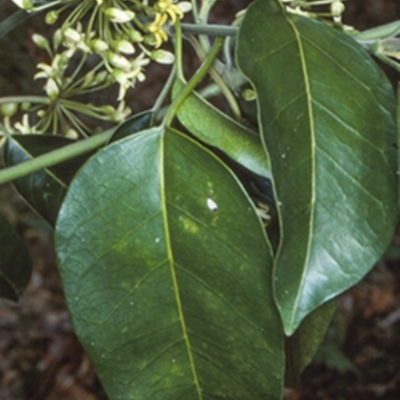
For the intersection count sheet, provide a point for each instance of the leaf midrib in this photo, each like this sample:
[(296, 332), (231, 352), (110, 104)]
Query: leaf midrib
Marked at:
[(313, 192), (172, 263)]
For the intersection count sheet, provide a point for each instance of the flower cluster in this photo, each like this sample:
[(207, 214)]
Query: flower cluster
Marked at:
[(59, 112), (125, 35)]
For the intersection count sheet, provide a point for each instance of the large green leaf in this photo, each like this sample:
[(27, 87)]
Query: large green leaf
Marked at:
[(301, 347), (15, 262), (328, 119), (214, 128), (167, 274), (44, 190), (134, 124)]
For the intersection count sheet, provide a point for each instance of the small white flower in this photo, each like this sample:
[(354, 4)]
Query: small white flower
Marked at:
[(23, 126)]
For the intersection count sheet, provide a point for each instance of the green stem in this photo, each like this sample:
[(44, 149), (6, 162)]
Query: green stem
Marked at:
[(194, 81), (209, 29), (165, 90), (229, 97), (55, 157), (195, 11), (178, 50), (22, 99)]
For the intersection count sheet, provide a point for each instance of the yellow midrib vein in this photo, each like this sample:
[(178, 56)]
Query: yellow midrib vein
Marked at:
[(171, 258), (312, 133)]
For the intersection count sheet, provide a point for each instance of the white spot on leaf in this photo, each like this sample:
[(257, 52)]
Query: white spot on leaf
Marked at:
[(211, 204)]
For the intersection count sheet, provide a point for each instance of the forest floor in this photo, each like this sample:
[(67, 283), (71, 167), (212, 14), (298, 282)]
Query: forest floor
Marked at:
[(41, 358)]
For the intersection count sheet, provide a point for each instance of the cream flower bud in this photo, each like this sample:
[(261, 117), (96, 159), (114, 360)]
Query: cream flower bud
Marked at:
[(72, 36), (8, 109), (98, 45), (249, 95), (162, 56), (88, 79), (107, 110), (100, 77), (72, 134), (337, 8), (40, 41), (119, 16), (51, 88), (185, 6), (24, 4), (118, 61), (135, 35), (51, 17), (123, 46), (57, 38), (25, 106)]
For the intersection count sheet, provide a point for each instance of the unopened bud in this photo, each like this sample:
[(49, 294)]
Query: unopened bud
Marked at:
[(51, 88), (119, 61), (98, 45), (8, 109), (123, 46), (89, 78), (40, 41), (162, 56), (185, 6), (72, 134), (51, 17), (119, 16), (249, 95), (337, 8), (72, 36), (57, 38), (100, 77), (25, 106), (107, 110), (24, 4), (135, 36)]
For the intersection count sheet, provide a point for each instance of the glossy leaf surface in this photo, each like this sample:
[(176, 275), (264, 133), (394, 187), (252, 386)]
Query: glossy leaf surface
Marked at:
[(15, 262), (301, 347), (167, 273), (328, 118), (134, 124), (44, 190), (214, 128)]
